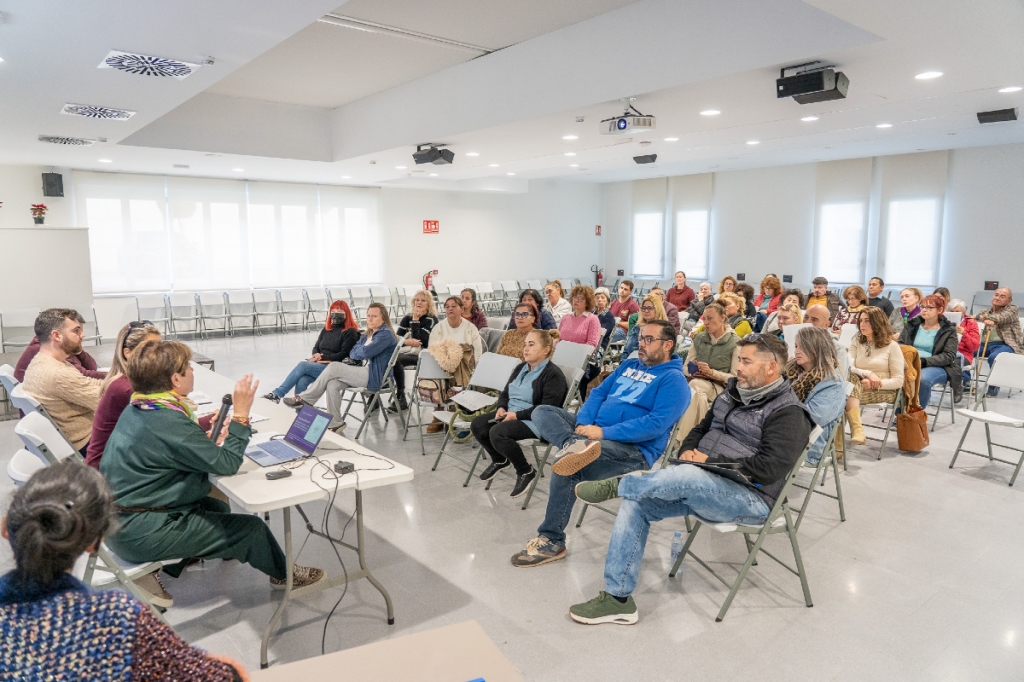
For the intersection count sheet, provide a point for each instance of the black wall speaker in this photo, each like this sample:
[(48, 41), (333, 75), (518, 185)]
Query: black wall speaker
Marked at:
[(53, 185)]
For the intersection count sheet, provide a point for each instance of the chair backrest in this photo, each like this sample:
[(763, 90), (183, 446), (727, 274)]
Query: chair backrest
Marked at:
[(491, 338), (338, 293), (316, 299), (381, 294), (573, 377), (22, 400), (211, 299), (485, 290), (265, 297), (1007, 371), (572, 354), (779, 506), (42, 438), (7, 378), (19, 319), (152, 307), (240, 297), (427, 367), (789, 333), (410, 290), (181, 299), (534, 284), (291, 295), (511, 288), (493, 370), (360, 296), (500, 323), (846, 334)]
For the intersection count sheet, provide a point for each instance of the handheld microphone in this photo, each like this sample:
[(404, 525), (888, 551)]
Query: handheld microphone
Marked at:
[(218, 423)]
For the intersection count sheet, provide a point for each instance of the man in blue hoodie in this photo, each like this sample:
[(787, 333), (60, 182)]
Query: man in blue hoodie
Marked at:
[(622, 427)]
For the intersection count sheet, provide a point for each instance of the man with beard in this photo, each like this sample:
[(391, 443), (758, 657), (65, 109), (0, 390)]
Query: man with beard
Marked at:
[(757, 425), (68, 396)]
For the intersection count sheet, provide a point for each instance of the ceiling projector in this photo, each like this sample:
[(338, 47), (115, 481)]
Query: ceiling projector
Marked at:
[(630, 122), (816, 84), (432, 154)]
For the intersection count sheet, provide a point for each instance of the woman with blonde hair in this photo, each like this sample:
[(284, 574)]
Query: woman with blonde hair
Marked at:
[(734, 305), (414, 332), (876, 368), (650, 309), (856, 300), (910, 300)]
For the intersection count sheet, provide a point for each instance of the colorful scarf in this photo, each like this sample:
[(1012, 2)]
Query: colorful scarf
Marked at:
[(165, 400), (909, 315)]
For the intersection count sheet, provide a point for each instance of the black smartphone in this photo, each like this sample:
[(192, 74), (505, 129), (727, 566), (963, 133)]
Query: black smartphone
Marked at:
[(280, 473)]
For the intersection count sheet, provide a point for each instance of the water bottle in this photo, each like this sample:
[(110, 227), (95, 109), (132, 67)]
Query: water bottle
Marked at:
[(677, 544)]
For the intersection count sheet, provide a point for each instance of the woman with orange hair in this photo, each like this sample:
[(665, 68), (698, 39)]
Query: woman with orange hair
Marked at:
[(336, 340), (767, 302)]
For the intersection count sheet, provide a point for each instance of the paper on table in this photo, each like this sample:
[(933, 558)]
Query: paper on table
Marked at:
[(473, 400), (200, 398), (253, 418)]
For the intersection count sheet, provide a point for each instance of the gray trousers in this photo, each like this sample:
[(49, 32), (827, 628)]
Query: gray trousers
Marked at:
[(333, 381)]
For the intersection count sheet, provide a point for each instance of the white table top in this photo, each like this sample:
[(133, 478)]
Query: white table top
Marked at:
[(250, 489)]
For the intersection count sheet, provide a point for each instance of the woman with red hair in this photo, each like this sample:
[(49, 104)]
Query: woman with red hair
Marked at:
[(336, 340)]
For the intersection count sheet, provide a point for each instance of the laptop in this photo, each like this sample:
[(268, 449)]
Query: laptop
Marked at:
[(302, 439)]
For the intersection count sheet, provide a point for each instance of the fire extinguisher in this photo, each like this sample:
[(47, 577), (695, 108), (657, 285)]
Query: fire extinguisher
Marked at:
[(428, 280), (598, 275)]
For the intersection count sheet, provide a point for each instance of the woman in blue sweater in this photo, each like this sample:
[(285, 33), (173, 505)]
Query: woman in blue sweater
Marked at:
[(375, 347)]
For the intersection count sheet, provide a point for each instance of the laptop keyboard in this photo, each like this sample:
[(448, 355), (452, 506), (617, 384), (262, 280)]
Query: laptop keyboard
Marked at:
[(280, 449)]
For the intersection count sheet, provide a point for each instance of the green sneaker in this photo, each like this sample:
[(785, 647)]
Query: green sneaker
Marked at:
[(604, 608), (596, 492)]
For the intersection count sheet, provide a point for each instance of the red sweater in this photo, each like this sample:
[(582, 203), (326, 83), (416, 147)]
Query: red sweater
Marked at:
[(83, 362), (971, 340), (680, 298)]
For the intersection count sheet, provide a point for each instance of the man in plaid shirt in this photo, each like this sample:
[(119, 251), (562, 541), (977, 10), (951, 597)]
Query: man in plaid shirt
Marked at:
[(1001, 333)]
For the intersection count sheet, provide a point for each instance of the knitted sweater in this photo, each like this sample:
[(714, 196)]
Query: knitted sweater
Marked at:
[(66, 632), (885, 363), (83, 362), (585, 329), (512, 342), (466, 333), (70, 398)]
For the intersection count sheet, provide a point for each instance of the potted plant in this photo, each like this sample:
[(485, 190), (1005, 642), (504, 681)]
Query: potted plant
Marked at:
[(39, 213)]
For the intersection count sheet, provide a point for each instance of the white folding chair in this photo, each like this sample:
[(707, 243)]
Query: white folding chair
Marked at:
[(846, 334), (43, 439), (1007, 371), (573, 354), (22, 465), (266, 309), (213, 312), (317, 305), (381, 294), (91, 329), (896, 404), (427, 369), (153, 307), (779, 520), (183, 308), (338, 293), (376, 398), (360, 299), (491, 374), (488, 301), (292, 303), (8, 382), (510, 295), (17, 327), (241, 310), (828, 458)]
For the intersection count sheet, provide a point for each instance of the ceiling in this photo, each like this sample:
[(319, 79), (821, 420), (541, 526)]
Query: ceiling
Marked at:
[(290, 98)]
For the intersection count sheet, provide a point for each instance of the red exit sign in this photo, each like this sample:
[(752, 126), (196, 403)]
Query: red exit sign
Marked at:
[(431, 227)]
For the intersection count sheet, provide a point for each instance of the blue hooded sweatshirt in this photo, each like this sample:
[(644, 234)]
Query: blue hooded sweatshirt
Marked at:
[(639, 404)]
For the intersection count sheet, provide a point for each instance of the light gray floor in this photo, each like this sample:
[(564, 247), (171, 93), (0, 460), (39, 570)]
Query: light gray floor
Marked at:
[(920, 583)]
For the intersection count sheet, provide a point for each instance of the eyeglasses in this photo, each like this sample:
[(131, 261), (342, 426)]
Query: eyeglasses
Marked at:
[(579, 299), (522, 316), (759, 340), (647, 308), (928, 307), (648, 340)]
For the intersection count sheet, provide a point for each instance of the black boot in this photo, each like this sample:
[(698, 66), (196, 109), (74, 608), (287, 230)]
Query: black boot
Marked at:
[(398, 402)]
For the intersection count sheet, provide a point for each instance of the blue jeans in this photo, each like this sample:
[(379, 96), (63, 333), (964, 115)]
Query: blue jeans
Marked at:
[(556, 426), (680, 490), (930, 376), (618, 334), (300, 378)]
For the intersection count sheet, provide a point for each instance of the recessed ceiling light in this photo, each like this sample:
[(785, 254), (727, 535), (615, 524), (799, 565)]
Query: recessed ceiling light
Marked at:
[(753, 141), (809, 118), (509, 173), (106, 161), (238, 170), (433, 175), (1011, 88), (400, 167), (570, 137), (346, 177), (884, 125), (574, 165), (570, 153), (671, 139), (472, 153), (710, 112), (492, 165), (1, 59), (928, 75)]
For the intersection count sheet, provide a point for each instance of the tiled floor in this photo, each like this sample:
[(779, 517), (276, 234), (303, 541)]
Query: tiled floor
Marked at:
[(920, 583)]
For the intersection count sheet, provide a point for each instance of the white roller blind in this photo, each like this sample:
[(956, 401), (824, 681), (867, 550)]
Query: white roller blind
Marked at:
[(911, 243), (691, 204), (350, 237), (841, 241), (282, 234), (649, 227), (208, 233)]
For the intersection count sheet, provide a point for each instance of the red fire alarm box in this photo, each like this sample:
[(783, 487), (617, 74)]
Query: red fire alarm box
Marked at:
[(597, 230), (431, 227)]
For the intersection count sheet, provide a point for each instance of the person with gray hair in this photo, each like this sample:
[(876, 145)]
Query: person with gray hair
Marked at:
[(1002, 332), (768, 427)]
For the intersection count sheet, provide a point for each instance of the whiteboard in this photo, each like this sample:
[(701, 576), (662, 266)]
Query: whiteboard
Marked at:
[(46, 267)]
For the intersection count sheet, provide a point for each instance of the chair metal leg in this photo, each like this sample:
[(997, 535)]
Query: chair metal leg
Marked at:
[(690, 535), (959, 445), (751, 558), (1016, 470), (839, 489), (447, 436), (472, 469), (540, 471), (583, 512), (799, 560)]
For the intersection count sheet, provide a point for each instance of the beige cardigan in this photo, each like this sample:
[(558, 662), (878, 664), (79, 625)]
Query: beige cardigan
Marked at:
[(885, 363), (68, 396)]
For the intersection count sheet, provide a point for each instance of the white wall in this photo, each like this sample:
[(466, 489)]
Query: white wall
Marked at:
[(546, 232), (22, 186), (58, 276)]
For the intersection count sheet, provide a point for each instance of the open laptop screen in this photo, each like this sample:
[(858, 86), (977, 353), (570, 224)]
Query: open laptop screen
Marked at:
[(308, 429)]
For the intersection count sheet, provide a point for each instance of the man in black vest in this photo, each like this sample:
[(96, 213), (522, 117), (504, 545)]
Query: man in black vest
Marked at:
[(758, 423)]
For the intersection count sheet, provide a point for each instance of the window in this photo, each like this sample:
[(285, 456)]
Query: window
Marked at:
[(841, 241), (911, 241), (648, 245), (692, 243)]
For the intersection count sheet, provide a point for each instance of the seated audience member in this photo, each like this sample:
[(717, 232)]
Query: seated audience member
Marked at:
[(768, 300), (856, 301), (970, 337), (453, 327), (728, 283), (471, 310), (934, 337), (733, 304), (876, 368), (944, 293), (787, 314), (546, 321), (581, 325), (696, 309), (711, 360), (56, 628), (1001, 333), (650, 310), (414, 334), (537, 381), (333, 344), (875, 288), (513, 340), (556, 303), (69, 397), (158, 459), (622, 308), (116, 392), (766, 433), (789, 297), (817, 316), (910, 308), (820, 295), (82, 361), (747, 293), (623, 426), (602, 301), (671, 312), (375, 347), (680, 295), (814, 375)]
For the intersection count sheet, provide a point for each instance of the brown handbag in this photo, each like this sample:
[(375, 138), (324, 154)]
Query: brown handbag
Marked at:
[(912, 429)]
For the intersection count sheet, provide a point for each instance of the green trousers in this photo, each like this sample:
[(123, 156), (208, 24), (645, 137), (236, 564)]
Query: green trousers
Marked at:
[(207, 531)]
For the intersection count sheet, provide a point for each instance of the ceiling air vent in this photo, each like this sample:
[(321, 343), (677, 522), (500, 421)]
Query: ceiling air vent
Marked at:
[(91, 111), (73, 141), (145, 65)]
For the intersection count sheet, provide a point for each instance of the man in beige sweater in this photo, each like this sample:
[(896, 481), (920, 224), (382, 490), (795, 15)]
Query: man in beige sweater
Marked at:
[(68, 396)]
